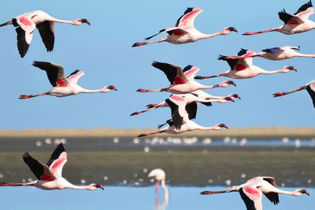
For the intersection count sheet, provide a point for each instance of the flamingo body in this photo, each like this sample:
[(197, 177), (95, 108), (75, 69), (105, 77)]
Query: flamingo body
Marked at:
[(49, 176), (182, 80), (297, 23), (251, 192), (242, 67), (26, 23), (184, 30), (62, 85)]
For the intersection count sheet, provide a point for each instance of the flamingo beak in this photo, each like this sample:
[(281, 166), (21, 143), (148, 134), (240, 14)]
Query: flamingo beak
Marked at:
[(232, 29), (85, 21), (292, 68)]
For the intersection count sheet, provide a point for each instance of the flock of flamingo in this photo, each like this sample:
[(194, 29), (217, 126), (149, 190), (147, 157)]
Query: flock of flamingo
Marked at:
[(186, 92)]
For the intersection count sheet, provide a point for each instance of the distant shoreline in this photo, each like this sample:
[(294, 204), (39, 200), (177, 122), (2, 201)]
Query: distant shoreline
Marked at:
[(249, 132)]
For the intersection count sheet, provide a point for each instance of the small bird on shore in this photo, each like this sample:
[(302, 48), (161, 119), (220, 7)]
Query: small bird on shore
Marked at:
[(184, 30), (25, 25), (49, 176), (251, 192), (62, 85)]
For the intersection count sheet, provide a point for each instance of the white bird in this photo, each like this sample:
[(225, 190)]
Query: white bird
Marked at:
[(62, 85), (49, 176), (243, 68), (160, 176), (276, 53), (181, 119), (310, 87), (299, 22), (251, 192), (25, 25), (196, 96), (182, 80), (184, 30)]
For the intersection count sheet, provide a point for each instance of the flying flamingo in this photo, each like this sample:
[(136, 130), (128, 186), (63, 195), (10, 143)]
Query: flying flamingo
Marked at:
[(277, 53), (196, 96), (243, 68), (310, 87), (181, 119), (184, 30), (25, 25), (182, 80), (297, 23), (49, 176), (62, 85), (251, 192)]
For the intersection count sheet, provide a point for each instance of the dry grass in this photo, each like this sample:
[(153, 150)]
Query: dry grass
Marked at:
[(249, 132)]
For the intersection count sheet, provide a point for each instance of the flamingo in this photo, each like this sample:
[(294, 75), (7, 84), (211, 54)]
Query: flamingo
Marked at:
[(49, 176), (62, 85), (159, 175), (310, 87), (181, 119), (251, 192), (25, 25), (181, 82), (297, 23), (184, 30), (277, 53), (196, 96), (243, 68)]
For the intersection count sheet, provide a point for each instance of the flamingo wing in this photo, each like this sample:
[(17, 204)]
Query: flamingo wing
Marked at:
[(174, 73), (251, 197), (24, 32), (47, 32), (57, 160), (272, 50), (305, 11), (289, 19), (168, 30), (75, 76), (191, 109), (188, 18), (190, 71), (177, 105), (40, 170), (55, 73), (232, 62), (311, 90)]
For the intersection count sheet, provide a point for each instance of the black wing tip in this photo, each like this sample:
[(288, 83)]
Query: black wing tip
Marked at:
[(222, 57), (243, 51)]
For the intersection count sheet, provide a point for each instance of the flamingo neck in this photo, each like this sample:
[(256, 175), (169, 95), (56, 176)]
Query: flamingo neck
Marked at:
[(272, 72), (73, 22), (207, 36), (305, 55), (103, 90)]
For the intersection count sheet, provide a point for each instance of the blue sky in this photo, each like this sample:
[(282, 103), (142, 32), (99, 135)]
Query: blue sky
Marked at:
[(103, 50)]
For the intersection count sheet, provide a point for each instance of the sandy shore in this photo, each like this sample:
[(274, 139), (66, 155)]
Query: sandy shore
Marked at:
[(249, 132)]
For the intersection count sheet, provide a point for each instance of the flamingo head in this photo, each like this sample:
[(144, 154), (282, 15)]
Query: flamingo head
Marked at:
[(235, 96), (158, 174), (289, 68), (81, 21), (227, 83), (228, 30), (300, 192), (112, 87), (220, 126), (95, 186)]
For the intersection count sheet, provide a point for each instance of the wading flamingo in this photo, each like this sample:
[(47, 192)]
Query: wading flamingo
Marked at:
[(49, 176), (25, 25), (62, 85), (299, 22), (159, 176), (184, 30), (310, 87), (251, 192), (243, 68), (182, 80)]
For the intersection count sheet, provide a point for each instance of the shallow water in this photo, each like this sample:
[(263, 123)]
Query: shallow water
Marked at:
[(138, 198)]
